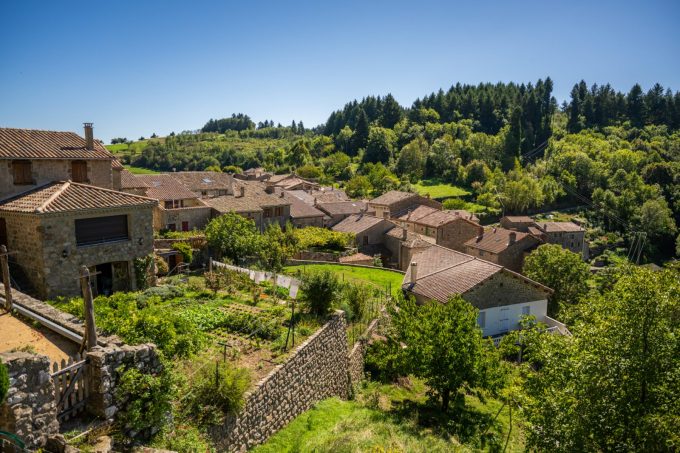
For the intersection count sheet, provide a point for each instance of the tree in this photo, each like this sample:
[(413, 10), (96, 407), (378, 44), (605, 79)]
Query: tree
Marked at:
[(320, 290), (561, 270), (276, 246), (232, 235), (443, 344), (612, 386), (380, 145), (360, 136), (656, 218), (358, 187), (411, 162), (636, 107), (298, 154), (391, 112)]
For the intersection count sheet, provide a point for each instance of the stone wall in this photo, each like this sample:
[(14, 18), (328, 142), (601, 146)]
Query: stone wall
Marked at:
[(355, 358), (30, 410), (104, 371), (316, 370), (196, 216)]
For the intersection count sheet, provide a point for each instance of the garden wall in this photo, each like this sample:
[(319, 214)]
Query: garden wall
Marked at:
[(355, 358), (316, 370)]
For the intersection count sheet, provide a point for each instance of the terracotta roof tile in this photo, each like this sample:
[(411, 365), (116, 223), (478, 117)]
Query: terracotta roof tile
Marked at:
[(165, 187), (392, 196), (36, 144), (355, 258), (69, 196), (299, 209), (130, 181), (496, 240), (230, 203), (342, 207), (556, 227), (357, 223), (204, 180)]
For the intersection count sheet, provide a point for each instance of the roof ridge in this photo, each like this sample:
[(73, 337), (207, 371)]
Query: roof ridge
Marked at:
[(117, 192), (64, 185)]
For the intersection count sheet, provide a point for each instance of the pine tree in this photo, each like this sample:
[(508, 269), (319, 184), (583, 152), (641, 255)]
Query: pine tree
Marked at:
[(360, 137), (636, 107), (391, 112)]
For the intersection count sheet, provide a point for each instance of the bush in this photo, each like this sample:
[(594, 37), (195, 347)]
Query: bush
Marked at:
[(357, 298), (185, 250), (218, 391), (4, 382), (322, 238), (320, 291), (455, 203), (161, 266), (196, 284), (144, 399), (143, 271), (382, 361)]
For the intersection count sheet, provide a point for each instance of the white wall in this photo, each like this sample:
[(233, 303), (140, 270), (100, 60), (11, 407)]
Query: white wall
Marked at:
[(499, 320)]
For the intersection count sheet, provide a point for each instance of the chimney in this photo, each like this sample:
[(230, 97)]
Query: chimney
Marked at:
[(242, 191), (89, 138), (281, 194), (404, 234), (414, 272), (512, 237)]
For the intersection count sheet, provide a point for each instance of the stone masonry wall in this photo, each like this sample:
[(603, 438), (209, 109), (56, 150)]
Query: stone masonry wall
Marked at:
[(316, 370), (355, 358), (30, 410), (104, 371)]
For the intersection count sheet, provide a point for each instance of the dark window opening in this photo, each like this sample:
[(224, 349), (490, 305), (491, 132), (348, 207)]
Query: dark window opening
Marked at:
[(22, 170), (185, 226), (99, 230), (171, 227)]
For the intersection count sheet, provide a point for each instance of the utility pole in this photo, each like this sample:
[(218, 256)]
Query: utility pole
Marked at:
[(90, 328), (4, 263)]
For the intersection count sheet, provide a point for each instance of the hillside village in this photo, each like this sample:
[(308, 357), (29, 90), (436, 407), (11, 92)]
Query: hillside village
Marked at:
[(82, 237)]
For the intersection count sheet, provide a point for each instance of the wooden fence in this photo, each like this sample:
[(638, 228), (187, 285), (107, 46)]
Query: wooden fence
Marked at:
[(70, 383)]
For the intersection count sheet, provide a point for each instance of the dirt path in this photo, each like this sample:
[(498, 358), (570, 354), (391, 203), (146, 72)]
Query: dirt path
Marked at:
[(17, 333)]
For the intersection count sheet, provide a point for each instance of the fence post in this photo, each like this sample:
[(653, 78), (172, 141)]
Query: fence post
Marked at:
[(90, 328), (210, 264), (4, 263)]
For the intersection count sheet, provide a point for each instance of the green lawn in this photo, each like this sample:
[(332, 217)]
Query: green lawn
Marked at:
[(377, 277), (140, 170), (439, 189), (390, 418)]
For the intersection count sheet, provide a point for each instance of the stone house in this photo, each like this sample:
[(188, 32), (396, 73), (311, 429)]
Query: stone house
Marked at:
[(368, 230), (507, 248), (337, 211), (567, 234), (206, 184), (395, 203), (301, 214), (517, 222), (179, 209), (291, 181), (252, 200), (54, 229), (31, 158), (254, 174), (403, 244), (501, 295), (130, 183), (448, 228)]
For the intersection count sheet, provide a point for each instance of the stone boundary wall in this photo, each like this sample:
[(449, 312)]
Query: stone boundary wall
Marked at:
[(30, 410), (355, 358), (316, 370), (197, 242)]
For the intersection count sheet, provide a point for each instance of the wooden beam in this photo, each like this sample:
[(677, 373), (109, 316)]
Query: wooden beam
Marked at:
[(90, 328), (4, 263)]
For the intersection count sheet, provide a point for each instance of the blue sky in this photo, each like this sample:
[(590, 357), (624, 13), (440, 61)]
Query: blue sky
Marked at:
[(137, 67)]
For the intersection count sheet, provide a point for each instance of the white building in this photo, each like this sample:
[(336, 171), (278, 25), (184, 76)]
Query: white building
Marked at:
[(501, 295)]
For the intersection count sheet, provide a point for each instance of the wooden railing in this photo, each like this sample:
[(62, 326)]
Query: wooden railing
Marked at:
[(70, 383)]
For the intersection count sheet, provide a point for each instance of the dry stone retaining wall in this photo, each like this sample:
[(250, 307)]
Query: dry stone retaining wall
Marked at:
[(316, 370), (355, 358), (30, 410)]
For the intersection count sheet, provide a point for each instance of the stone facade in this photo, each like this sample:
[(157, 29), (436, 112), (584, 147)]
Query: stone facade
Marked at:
[(452, 235), (397, 208), (316, 370), (104, 366), (99, 174), (511, 257), (45, 248), (503, 289), (196, 217), (30, 410)]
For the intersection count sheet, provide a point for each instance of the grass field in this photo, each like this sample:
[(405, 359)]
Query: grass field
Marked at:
[(390, 418), (377, 277), (140, 170), (439, 189)]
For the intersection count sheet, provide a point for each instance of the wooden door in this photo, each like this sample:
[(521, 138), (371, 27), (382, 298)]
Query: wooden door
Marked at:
[(79, 171)]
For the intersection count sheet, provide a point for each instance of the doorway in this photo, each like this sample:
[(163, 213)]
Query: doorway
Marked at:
[(104, 279)]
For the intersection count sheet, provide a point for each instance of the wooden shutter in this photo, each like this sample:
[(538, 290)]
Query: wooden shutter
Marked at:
[(185, 226), (101, 229), (79, 171), (22, 172)]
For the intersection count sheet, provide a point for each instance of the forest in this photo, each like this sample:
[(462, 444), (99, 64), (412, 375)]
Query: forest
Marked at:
[(614, 154)]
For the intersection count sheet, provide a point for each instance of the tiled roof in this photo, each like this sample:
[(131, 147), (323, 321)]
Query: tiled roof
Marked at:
[(418, 213), (204, 180), (413, 240), (342, 207), (130, 181), (518, 219), (279, 178), (355, 258), (392, 196), (69, 196), (228, 203), (35, 144), (467, 215), (557, 227), (496, 240), (357, 223), (443, 272), (256, 192), (299, 209), (293, 182), (165, 187), (426, 215)]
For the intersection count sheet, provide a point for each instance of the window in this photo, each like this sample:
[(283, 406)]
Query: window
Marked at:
[(98, 230), (481, 319), (23, 174), (481, 253), (185, 226), (278, 211), (79, 171), (267, 213), (168, 204), (171, 227), (365, 240), (526, 310)]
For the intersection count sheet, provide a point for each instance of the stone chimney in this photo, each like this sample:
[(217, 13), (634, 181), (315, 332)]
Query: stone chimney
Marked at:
[(281, 195), (89, 137), (404, 234), (414, 272), (512, 237), (242, 191)]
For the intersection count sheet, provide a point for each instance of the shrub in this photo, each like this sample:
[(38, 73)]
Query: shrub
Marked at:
[(322, 238), (161, 266), (218, 391), (143, 271), (382, 361), (455, 203), (4, 382), (357, 298), (196, 284), (214, 280), (185, 250), (320, 291), (144, 399)]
